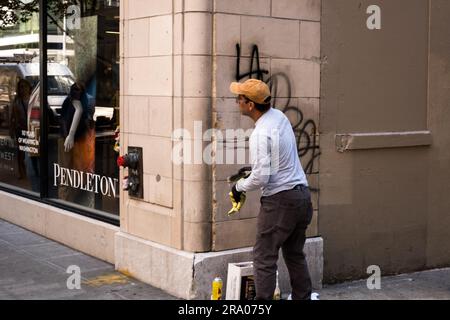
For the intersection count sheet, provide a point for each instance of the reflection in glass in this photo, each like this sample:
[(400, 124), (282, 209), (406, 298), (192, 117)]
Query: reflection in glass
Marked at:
[(19, 69), (82, 158), (83, 55)]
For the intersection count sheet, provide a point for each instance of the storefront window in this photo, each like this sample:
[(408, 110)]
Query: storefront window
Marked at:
[(80, 138), (19, 75), (83, 95)]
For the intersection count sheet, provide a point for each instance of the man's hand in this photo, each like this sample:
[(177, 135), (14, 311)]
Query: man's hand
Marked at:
[(237, 200)]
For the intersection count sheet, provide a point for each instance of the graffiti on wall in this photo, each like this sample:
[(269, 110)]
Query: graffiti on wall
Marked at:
[(305, 129)]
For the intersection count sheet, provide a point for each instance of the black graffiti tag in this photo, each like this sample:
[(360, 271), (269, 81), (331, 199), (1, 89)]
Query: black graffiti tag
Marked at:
[(305, 129), (255, 57)]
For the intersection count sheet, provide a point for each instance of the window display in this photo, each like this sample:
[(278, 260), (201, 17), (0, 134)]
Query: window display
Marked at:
[(82, 160), (19, 77), (82, 102)]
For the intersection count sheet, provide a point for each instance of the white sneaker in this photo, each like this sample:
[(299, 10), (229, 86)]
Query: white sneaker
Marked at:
[(315, 296)]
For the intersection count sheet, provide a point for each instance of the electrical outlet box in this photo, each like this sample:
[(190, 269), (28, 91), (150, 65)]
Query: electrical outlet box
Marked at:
[(136, 173)]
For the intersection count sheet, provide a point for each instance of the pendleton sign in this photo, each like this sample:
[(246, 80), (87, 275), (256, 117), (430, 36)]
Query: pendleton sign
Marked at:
[(86, 181)]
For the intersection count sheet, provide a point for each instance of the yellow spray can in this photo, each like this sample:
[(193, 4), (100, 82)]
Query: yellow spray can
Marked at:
[(217, 285)]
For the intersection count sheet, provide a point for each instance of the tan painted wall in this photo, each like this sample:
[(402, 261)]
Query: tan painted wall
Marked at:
[(438, 248), (384, 206)]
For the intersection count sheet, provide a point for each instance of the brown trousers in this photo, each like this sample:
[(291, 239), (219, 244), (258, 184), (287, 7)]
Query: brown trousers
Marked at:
[(282, 223)]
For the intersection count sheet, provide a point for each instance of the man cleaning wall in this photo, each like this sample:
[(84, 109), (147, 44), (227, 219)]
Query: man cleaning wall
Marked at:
[(286, 208)]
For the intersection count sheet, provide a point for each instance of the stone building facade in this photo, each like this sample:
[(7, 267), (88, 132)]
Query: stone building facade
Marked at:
[(365, 86)]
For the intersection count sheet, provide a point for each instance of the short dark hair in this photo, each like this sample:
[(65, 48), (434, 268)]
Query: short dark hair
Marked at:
[(262, 107), (258, 106)]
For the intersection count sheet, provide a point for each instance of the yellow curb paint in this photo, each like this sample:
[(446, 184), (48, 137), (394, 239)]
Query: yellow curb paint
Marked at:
[(107, 279)]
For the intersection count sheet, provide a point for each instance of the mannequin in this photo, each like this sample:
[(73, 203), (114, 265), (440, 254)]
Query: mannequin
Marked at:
[(70, 139), (77, 143), (71, 113)]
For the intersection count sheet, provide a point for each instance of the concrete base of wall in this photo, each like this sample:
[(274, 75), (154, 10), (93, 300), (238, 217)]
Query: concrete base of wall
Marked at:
[(189, 275), (87, 235)]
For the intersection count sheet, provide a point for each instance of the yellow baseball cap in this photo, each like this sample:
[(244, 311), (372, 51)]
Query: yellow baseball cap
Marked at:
[(255, 90)]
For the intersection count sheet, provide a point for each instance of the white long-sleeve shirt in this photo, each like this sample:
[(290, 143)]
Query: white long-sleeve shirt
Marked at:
[(273, 155)]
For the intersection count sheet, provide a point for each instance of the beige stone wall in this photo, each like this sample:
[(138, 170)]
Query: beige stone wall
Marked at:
[(166, 73), (178, 59), (287, 34)]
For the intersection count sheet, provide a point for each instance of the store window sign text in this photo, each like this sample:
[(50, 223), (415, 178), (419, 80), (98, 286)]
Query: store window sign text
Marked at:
[(28, 142), (6, 155), (86, 181)]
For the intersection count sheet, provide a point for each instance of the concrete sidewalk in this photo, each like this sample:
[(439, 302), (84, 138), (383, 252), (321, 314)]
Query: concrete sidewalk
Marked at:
[(33, 267), (425, 285)]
